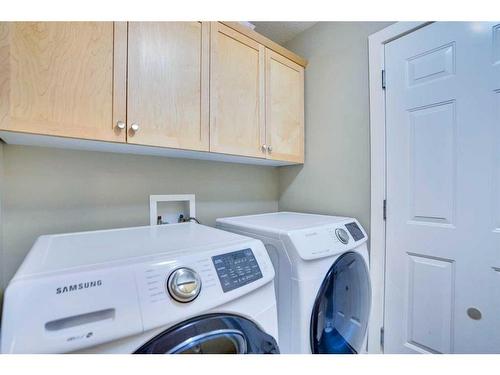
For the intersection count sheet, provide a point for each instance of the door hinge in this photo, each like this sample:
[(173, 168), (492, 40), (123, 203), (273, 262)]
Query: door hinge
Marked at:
[(385, 209), (382, 337), (383, 79)]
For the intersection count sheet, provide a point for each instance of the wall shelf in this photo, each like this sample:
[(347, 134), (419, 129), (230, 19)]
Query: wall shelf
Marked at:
[(26, 139)]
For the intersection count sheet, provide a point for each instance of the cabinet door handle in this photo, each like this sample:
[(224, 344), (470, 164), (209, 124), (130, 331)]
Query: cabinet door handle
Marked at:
[(120, 125), (134, 127), (269, 148), (264, 148)]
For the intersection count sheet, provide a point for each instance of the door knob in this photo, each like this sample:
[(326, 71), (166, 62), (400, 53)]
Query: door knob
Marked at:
[(134, 127), (120, 125)]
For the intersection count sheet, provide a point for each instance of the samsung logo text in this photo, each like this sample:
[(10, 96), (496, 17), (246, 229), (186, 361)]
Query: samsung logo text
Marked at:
[(80, 286)]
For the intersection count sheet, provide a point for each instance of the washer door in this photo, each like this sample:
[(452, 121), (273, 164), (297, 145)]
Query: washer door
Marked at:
[(340, 313), (212, 334)]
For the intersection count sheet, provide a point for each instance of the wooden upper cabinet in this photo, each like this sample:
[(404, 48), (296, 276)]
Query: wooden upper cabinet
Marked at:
[(56, 78), (168, 78), (201, 86), (284, 108), (236, 93)]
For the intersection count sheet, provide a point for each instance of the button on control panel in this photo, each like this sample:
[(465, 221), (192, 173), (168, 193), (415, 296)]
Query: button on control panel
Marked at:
[(236, 269)]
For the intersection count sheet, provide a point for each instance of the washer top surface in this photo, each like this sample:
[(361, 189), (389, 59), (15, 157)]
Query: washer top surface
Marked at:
[(64, 251)]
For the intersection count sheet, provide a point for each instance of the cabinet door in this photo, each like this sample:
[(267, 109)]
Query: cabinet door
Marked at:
[(168, 68), (57, 79), (284, 108), (236, 93)]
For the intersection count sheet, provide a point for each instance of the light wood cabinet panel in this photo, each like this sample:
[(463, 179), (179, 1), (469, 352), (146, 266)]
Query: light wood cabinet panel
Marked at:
[(57, 78), (236, 93), (4, 76), (120, 78), (168, 78), (284, 108)]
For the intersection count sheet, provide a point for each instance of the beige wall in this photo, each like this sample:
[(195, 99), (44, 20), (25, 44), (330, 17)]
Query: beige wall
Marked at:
[(55, 191), (335, 178)]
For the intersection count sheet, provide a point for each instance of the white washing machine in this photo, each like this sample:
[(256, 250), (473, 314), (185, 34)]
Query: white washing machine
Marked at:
[(322, 285), (181, 288)]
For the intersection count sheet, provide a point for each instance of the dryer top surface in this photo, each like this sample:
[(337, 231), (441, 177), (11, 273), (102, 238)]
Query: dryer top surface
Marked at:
[(281, 222)]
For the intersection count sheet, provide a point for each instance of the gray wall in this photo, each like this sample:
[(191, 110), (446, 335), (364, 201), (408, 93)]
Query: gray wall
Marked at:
[(56, 191), (335, 178)]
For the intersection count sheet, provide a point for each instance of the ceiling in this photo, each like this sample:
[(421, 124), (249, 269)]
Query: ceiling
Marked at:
[(281, 32)]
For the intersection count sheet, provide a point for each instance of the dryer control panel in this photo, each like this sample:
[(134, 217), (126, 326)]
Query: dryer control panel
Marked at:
[(328, 239), (356, 232)]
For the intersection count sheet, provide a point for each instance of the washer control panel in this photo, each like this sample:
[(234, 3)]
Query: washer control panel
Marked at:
[(236, 269), (173, 286)]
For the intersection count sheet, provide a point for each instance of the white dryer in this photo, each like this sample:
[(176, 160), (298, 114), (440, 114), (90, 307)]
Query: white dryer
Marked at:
[(181, 288), (322, 285)]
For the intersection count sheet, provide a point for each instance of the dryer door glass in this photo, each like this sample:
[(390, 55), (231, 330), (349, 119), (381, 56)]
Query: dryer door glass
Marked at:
[(340, 313), (212, 334)]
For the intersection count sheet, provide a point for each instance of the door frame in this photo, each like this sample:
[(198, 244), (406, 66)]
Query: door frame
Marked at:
[(376, 64)]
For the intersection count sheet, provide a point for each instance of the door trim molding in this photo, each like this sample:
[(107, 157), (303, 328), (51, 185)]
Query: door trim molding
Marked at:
[(376, 63)]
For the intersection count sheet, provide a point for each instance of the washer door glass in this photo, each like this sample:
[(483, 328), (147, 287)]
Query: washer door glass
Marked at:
[(340, 313), (212, 334), (224, 341)]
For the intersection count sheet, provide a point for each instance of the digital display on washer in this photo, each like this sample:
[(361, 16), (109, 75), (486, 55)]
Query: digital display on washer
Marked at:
[(236, 269), (355, 231)]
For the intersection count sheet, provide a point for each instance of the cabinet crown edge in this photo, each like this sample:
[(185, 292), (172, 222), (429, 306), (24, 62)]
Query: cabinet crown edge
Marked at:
[(266, 42)]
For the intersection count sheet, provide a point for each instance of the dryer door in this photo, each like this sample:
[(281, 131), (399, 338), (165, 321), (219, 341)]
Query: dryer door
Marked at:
[(340, 313), (212, 334)]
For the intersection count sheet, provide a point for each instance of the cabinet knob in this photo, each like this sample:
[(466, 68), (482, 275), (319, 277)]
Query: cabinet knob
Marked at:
[(264, 148), (120, 125), (134, 127), (269, 148)]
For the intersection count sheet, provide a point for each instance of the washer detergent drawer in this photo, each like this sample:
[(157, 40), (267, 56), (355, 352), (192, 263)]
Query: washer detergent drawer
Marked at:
[(60, 314)]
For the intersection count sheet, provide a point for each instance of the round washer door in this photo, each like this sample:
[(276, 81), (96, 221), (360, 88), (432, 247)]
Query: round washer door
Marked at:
[(341, 310), (212, 334)]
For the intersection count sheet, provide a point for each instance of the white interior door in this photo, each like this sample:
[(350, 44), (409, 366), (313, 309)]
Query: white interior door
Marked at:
[(443, 190)]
